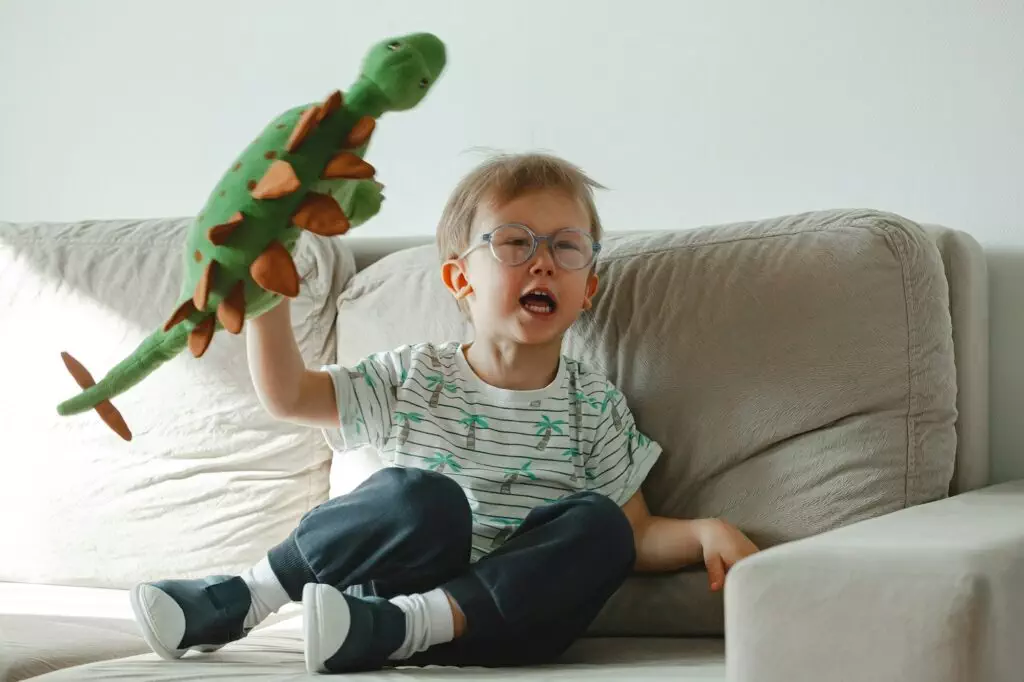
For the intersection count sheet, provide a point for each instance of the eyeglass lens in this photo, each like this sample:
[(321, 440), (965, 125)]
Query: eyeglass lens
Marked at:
[(512, 244)]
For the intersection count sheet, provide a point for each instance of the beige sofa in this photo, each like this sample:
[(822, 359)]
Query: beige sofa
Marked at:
[(820, 380)]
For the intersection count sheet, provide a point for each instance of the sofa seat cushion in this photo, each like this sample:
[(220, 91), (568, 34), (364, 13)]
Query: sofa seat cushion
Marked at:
[(798, 372), (210, 480), (48, 627), (275, 653)]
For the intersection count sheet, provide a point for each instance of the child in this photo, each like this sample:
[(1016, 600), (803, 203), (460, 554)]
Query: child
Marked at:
[(511, 508)]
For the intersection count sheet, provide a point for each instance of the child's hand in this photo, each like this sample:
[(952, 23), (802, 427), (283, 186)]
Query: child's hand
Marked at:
[(723, 545)]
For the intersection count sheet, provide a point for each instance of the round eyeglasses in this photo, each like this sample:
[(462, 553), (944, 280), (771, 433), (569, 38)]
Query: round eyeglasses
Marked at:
[(513, 244)]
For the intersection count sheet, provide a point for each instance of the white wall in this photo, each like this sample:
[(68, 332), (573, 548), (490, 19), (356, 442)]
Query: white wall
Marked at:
[(691, 112)]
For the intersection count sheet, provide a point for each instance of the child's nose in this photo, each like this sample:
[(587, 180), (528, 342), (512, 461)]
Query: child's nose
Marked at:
[(543, 261)]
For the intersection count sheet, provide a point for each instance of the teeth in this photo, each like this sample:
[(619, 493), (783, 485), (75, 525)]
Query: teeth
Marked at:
[(538, 301)]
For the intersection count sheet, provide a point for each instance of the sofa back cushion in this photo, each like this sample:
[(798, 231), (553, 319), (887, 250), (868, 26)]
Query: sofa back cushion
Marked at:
[(209, 481), (798, 373)]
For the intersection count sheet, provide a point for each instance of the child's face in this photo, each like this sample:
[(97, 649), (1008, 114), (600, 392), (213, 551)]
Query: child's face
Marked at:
[(498, 294)]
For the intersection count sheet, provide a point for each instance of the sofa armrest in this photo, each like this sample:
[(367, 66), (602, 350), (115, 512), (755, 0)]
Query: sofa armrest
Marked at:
[(931, 593)]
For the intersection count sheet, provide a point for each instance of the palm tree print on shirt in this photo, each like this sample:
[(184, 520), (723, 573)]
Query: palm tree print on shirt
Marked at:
[(404, 418), (641, 441), (574, 453), (609, 399), (471, 422), (361, 372), (582, 397), (546, 427), (401, 380), (512, 475), (437, 384), (440, 461)]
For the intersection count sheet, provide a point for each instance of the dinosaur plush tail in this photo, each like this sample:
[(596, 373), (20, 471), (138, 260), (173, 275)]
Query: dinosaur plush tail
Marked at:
[(156, 349)]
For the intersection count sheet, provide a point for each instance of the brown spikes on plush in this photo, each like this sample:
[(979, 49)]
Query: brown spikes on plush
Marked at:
[(348, 165), (200, 337), (202, 295), (78, 371), (303, 128), (231, 311), (321, 215), (107, 412), (360, 132), (274, 270), (219, 234), (180, 315), (330, 105), (279, 180)]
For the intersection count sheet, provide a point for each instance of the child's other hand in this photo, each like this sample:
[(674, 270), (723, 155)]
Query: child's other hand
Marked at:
[(723, 545)]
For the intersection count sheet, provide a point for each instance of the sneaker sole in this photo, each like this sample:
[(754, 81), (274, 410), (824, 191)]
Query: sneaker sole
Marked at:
[(145, 622), (142, 617), (312, 626)]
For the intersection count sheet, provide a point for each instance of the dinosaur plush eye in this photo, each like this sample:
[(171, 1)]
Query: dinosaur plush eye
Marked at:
[(424, 83), (394, 46)]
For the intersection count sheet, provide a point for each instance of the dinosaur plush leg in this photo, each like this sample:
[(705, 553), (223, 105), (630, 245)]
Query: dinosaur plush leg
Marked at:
[(274, 270), (107, 412), (321, 214)]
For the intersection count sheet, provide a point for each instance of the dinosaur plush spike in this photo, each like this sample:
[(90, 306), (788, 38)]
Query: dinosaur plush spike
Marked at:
[(200, 337), (330, 105), (202, 295), (108, 413), (231, 311), (219, 234), (279, 180), (361, 132), (181, 314), (348, 165), (321, 215), (310, 117), (275, 271), (236, 259)]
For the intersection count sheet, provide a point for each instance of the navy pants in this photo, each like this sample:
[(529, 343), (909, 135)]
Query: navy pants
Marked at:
[(405, 531)]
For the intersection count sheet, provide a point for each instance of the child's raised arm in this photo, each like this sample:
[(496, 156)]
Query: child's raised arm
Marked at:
[(285, 387)]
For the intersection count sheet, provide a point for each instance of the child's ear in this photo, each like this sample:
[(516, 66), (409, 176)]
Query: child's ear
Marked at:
[(454, 278), (588, 295)]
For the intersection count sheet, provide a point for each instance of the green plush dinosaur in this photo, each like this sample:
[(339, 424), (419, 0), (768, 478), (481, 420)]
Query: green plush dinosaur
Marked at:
[(305, 171)]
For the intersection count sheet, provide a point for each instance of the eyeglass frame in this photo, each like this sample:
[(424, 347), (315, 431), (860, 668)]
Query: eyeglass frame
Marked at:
[(536, 239)]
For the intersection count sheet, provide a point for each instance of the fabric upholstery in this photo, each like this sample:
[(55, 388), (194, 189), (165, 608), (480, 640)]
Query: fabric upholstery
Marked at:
[(967, 276), (928, 594), (798, 371), (275, 654), (210, 480)]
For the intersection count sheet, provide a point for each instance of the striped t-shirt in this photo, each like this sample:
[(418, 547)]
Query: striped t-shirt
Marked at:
[(423, 406)]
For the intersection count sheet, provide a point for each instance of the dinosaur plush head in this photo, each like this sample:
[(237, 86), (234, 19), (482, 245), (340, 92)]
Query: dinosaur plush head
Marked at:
[(404, 68)]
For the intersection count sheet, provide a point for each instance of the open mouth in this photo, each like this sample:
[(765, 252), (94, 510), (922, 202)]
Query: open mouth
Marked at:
[(538, 301)]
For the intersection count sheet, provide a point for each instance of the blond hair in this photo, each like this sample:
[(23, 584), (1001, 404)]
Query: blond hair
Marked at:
[(503, 178)]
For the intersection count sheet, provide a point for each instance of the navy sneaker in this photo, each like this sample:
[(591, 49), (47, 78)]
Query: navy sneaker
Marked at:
[(343, 633), (203, 614)]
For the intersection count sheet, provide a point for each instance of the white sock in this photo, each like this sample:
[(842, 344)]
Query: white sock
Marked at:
[(267, 593), (428, 621)]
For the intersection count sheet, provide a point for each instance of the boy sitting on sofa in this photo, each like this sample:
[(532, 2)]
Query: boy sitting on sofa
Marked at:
[(511, 507)]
